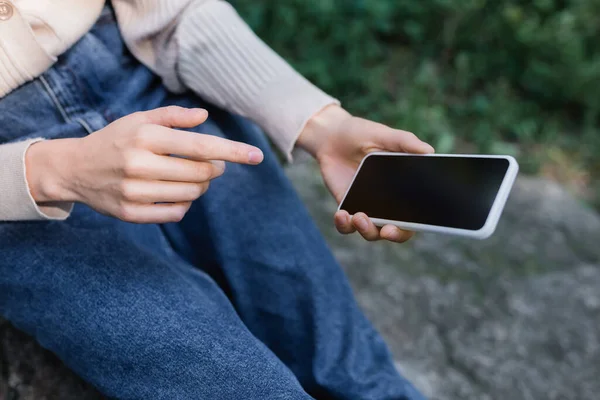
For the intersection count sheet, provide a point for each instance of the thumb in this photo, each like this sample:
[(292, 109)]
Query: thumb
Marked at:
[(175, 116), (406, 142), (403, 141)]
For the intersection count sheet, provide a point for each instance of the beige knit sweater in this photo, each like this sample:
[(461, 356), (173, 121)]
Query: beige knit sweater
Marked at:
[(202, 45)]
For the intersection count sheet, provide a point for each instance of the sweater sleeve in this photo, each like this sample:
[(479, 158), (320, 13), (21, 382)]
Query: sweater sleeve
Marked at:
[(16, 202), (205, 46)]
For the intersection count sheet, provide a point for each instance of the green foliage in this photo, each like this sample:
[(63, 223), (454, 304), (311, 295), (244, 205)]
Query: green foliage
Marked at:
[(504, 75)]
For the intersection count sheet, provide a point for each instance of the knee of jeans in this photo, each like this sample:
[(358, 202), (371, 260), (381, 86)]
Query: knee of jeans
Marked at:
[(187, 357)]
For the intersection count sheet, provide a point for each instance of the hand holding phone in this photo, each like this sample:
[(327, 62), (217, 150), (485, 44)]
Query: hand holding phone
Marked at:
[(443, 193)]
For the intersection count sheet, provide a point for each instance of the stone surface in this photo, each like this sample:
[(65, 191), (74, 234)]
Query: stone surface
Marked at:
[(28, 372), (514, 317)]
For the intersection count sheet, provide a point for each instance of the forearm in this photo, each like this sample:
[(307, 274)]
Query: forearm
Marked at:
[(204, 45), (27, 176), (221, 59)]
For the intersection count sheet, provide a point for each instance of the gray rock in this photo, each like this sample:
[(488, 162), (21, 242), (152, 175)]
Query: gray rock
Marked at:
[(29, 372), (513, 317)]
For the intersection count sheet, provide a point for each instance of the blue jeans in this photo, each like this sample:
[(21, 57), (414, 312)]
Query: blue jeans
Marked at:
[(241, 300)]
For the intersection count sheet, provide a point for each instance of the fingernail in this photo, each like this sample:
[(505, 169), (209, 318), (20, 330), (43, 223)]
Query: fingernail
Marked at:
[(362, 223), (255, 156), (430, 148), (220, 165)]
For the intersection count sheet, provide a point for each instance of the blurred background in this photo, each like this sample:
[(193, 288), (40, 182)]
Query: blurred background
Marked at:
[(516, 316), (504, 76)]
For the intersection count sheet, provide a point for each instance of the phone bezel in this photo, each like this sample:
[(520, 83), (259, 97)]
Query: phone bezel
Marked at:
[(493, 217)]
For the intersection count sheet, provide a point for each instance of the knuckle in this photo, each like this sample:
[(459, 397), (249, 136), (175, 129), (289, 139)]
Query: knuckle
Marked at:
[(141, 136), (195, 192), (204, 188), (178, 213), (126, 212), (133, 164), (203, 172), (127, 190), (170, 113)]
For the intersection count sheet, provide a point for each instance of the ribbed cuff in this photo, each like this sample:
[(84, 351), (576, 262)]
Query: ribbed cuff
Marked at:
[(223, 61), (16, 201), (284, 108)]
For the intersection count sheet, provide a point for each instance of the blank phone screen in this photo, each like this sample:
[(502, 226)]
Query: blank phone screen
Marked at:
[(455, 192)]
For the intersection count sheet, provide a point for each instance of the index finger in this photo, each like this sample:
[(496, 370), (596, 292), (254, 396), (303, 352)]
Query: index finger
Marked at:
[(202, 147)]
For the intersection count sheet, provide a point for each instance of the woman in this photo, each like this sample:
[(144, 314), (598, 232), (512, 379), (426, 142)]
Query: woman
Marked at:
[(120, 259)]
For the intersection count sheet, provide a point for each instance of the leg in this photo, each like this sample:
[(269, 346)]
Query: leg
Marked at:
[(129, 316), (260, 244), (134, 319)]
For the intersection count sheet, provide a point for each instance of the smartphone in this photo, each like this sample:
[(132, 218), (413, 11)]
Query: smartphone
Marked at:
[(442, 193)]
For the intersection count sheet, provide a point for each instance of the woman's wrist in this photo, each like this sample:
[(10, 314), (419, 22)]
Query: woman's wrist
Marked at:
[(48, 166), (320, 126)]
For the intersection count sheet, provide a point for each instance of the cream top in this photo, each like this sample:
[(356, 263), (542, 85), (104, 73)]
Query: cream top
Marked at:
[(201, 45)]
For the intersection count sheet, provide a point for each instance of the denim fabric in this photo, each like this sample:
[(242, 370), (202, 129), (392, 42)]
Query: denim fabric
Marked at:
[(241, 300)]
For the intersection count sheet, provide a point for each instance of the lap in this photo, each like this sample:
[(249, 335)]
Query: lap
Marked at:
[(131, 319)]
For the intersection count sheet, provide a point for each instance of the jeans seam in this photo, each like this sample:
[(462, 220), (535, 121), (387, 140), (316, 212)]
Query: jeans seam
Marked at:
[(61, 108), (54, 99), (85, 125)]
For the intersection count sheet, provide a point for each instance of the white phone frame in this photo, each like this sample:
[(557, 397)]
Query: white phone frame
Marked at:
[(492, 219)]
